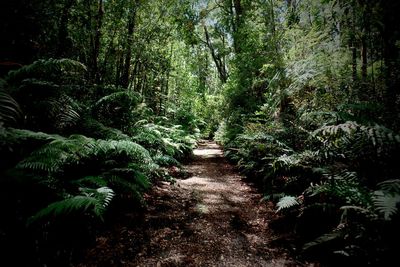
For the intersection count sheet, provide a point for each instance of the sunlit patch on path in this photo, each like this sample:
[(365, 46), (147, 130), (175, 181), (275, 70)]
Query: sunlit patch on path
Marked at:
[(212, 150)]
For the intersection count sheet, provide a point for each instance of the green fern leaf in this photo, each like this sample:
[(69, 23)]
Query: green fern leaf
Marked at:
[(91, 181), (54, 68), (391, 186), (95, 199), (10, 111), (386, 203), (287, 202)]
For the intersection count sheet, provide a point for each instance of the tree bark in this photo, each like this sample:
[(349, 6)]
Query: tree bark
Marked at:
[(63, 44), (96, 42), (219, 63), (124, 81)]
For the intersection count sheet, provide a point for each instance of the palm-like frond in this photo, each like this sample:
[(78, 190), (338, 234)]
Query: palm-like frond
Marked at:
[(13, 136), (131, 175), (357, 136), (287, 162), (344, 185), (64, 111), (93, 128), (54, 155), (94, 200), (129, 149), (10, 111), (387, 199), (117, 98), (392, 186), (47, 68), (386, 204)]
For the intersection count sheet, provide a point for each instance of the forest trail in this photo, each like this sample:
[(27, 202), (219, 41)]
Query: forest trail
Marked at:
[(213, 218)]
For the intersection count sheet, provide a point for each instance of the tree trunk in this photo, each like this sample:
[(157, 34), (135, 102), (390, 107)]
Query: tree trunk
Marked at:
[(222, 73), (96, 42), (63, 44), (352, 42), (124, 81), (364, 60)]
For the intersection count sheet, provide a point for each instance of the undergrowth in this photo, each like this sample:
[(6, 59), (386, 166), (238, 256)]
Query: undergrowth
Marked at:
[(75, 162)]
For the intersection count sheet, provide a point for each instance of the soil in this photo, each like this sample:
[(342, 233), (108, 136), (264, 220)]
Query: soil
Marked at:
[(212, 218)]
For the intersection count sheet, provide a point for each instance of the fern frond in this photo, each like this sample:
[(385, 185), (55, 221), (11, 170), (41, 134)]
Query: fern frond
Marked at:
[(95, 199), (287, 162), (386, 203), (103, 195), (64, 111), (44, 68), (390, 186), (165, 160), (357, 136), (287, 202), (121, 184), (54, 155), (10, 111), (132, 175), (333, 130), (117, 98), (93, 128), (18, 136), (89, 181), (133, 151), (344, 185)]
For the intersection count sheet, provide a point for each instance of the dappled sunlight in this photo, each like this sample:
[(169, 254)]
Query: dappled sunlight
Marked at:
[(215, 191), (208, 153)]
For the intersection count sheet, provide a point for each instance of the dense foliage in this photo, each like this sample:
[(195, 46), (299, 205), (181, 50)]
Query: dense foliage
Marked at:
[(313, 120), (74, 154), (100, 99)]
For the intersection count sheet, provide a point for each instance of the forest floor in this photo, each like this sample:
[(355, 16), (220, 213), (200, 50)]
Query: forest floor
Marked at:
[(212, 218)]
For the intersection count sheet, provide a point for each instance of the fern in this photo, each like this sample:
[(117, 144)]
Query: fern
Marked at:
[(391, 186), (343, 185), (131, 150), (287, 202), (97, 200), (131, 175), (117, 98), (54, 155), (124, 186), (64, 111), (287, 162), (387, 199), (90, 181), (47, 68), (104, 196), (357, 136), (117, 109), (13, 136), (165, 160), (93, 128), (10, 112)]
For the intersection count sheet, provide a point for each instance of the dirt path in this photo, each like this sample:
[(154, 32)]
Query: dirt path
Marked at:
[(212, 218)]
